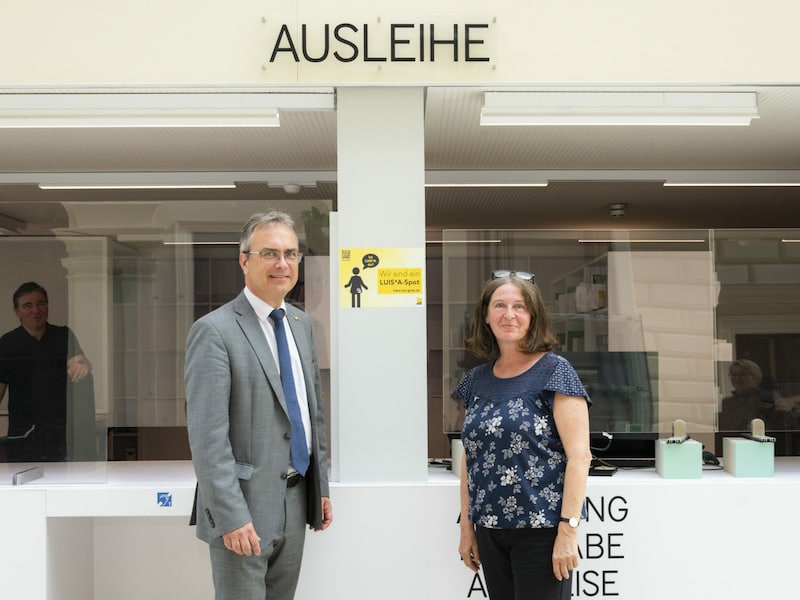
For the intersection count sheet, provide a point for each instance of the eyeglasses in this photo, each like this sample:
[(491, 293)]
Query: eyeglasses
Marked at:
[(30, 305), (270, 255), (523, 275)]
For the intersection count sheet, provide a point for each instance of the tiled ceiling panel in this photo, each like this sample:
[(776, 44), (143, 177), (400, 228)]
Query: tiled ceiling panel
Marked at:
[(593, 166)]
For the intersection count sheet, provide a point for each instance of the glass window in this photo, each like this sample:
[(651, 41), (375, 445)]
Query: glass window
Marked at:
[(652, 321), (124, 283), (758, 316)]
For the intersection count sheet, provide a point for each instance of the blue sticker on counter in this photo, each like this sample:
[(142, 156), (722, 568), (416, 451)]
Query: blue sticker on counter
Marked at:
[(164, 499)]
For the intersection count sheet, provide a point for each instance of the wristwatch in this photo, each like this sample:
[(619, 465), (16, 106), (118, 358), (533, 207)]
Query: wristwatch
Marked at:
[(573, 522)]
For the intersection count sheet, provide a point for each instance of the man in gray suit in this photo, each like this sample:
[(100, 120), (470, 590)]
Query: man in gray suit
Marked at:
[(261, 466)]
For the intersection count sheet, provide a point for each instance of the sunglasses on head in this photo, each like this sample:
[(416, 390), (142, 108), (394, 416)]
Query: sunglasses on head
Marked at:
[(523, 275)]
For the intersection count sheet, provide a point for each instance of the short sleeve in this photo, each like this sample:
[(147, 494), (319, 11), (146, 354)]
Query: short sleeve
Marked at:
[(465, 390), (462, 389), (565, 380)]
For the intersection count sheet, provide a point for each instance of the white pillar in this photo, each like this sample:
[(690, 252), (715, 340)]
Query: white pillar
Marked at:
[(380, 428)]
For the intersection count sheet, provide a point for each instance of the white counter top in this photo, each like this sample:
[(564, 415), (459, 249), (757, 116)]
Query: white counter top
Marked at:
[(640, 528), (166, 488)]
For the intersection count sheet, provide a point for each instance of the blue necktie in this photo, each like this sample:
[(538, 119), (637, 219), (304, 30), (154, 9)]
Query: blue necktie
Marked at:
[(297, 443)]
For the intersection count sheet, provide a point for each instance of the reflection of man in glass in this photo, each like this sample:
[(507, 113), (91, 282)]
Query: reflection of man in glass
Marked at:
[(750, 400), (38, 363)]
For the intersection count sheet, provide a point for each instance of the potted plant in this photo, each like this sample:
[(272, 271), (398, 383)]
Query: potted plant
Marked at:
[(317, 227)]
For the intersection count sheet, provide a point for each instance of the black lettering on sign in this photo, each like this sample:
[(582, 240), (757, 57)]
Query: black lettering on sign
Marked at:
[(395, 43), (477, 586)]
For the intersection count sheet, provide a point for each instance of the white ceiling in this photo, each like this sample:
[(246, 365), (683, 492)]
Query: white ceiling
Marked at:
[(588, 167)]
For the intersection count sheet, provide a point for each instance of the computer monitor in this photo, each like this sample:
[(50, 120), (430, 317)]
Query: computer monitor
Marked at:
[(624, 450)]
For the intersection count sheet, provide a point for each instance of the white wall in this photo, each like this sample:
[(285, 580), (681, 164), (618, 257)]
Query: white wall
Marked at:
[(397, 542)]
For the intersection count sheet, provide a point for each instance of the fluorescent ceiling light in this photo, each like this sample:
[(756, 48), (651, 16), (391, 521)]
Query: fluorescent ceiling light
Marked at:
[(153, 109), (111, 121), (642, 241), (464, 242), (484, 185), (164, 180), (484, 179), (731, 184), (136, 186), (193, 243), (136, 181), (619, 108)]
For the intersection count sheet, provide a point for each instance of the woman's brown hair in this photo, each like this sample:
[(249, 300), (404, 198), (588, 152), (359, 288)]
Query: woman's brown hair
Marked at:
[(539, 337)]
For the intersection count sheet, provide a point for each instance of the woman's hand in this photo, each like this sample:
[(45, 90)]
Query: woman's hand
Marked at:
[(468, 547), (565, 551)]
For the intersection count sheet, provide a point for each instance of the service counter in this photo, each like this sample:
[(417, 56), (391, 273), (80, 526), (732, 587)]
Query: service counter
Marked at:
[(122, 534)]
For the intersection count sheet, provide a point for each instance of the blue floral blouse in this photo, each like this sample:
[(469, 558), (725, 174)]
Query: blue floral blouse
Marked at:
[(515, 457)]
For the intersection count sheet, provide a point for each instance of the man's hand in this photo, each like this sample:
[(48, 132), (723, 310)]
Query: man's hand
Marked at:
[(78, 367), (243, 541), (327, 513)]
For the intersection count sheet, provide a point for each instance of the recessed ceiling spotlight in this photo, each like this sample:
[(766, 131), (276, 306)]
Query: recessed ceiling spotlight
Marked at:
[(617, 209)]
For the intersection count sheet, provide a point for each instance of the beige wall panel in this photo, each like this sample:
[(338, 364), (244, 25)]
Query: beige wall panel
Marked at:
[(190, 42)]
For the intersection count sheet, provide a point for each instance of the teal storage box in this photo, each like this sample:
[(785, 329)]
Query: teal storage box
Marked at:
[(679, 461), (748, 458)]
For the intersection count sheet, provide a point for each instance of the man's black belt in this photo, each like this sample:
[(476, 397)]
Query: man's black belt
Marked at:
[(293, 480)]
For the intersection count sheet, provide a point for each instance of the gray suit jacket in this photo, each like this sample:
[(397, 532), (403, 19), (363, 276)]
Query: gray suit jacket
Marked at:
[(238, 424)]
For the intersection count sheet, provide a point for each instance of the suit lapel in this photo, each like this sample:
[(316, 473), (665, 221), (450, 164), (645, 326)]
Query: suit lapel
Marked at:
[(251, 328)]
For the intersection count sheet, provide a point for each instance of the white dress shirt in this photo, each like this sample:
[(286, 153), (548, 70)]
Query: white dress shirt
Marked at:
[(263, 310)]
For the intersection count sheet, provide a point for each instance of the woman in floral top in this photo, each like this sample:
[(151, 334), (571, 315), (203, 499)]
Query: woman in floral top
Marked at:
[(526, 447)]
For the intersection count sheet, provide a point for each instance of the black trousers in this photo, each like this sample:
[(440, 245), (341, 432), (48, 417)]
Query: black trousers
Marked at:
[(43, 444), (518, 564)]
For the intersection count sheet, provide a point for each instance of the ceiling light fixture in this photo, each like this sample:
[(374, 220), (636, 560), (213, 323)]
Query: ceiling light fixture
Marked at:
[(135, 181), (485, 185), (617, 210), (464, 241), (136, 186), (731, 184), (112, 121), (155, 109), (484, 179), (292, 187), (619, 108), (642, 241), (195, 243)]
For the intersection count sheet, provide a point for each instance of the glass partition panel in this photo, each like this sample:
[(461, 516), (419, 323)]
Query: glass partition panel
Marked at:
[(54, 359), (124, 283), (633, 311), (758, 346)]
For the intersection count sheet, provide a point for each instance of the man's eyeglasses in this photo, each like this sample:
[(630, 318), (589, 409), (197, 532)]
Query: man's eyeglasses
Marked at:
[(30, 305), (269, 255), (524, 275)]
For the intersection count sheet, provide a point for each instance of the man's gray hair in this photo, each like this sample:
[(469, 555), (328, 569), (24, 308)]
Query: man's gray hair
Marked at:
[(272, 217)]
